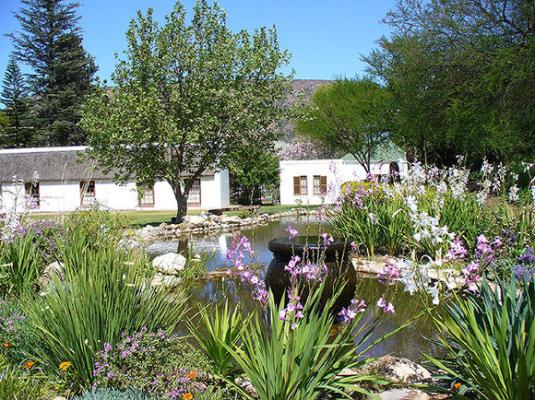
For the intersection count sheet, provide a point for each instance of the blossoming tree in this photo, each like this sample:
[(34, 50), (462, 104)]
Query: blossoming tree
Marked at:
[(185, 96)]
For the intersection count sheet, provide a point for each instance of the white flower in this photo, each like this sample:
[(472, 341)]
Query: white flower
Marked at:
[(434, 292), (373, 218), (513, 194)]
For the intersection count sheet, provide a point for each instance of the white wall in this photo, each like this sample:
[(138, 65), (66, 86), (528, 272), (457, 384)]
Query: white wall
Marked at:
[(56, 196), (336, 171)]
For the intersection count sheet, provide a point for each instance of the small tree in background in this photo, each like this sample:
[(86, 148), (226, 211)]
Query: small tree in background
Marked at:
[(253, 168), (14, 96), (350, 116), (185, 97)]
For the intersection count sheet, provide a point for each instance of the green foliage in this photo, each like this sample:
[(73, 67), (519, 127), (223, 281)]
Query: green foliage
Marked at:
[(379, 221), (375, 222), (112, 394), (350, 116), (489, 340), (156, 363), (104, 293), (20, 265), (17, 384), (220, 330), (461, 76), (61, 71), (14, 96), (252, 167), (194, 90), (302, 363)]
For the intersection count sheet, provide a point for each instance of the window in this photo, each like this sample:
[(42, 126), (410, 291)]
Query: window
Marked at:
[(300, 186), (32, 194), (194, 196), (87, 193), (320, 185), (146, 194)]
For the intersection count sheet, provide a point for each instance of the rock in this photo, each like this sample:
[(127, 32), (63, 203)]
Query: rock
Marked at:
[(51, 271), (403, 394), (374, 265), (195, 219), (148, 232), (230, 219), (165, 280), (399, 370), (170, 263), (129, 243)]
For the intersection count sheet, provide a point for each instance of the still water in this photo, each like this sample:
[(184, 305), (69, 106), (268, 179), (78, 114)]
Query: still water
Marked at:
[(411, 342)]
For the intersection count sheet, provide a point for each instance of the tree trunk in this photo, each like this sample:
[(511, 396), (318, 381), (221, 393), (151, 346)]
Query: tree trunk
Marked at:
[(181, 201), (182, 206)]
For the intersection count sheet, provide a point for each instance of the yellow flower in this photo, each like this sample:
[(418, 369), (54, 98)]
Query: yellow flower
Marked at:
[(65, 365), (457, 386), (29, 364), (187, 396)]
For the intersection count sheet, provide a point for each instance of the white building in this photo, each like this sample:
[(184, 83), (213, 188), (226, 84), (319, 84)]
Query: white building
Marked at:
[(314, 182), (56, 179)]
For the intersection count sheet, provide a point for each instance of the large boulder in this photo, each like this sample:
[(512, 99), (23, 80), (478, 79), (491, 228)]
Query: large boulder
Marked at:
[(400, 370), (149, 232), (51, 271), (165, 280), (169, 264), (403, 394), (130, 243)]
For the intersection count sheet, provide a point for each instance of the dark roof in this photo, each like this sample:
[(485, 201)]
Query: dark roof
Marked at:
[(52, 164), (49, 164)]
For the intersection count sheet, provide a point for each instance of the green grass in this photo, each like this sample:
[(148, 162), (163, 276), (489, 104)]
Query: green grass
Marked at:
[(156, 217)]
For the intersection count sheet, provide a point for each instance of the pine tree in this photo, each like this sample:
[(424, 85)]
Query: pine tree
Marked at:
[(14, 96), (50, 43)]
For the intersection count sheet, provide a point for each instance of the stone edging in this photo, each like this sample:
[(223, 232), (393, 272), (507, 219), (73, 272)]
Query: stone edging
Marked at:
[(205, 224)]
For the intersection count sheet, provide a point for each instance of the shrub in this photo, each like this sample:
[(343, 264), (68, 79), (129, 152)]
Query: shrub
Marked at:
[(15, 383), (489, 340), (220, 330), (112, 394), (372, 219), (156, 363), (104, 294), (283, 359), (20, 264)]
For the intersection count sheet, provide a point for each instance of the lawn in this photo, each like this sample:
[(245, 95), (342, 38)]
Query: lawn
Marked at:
[(156, 217)]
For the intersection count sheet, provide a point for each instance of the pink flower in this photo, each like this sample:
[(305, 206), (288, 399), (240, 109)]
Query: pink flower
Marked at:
[(387, 307), (457, 251), (292, 231), (389, 273), (327, 239), (349, 314)]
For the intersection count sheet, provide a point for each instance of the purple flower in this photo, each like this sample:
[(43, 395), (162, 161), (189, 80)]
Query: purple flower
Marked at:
[(471, 276), (327, 239), (389, 273), (387, 307), (292, 231), (483, 249), (527, 257), (349, 314), (457, 251)]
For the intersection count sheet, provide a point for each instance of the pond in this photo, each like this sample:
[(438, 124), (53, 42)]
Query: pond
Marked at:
[(412, 342)]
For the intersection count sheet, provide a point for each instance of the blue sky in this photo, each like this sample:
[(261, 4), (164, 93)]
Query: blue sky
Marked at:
[(326, 37)]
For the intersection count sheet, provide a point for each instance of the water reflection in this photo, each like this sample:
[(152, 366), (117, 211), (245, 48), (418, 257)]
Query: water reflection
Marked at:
[(411, 342)]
